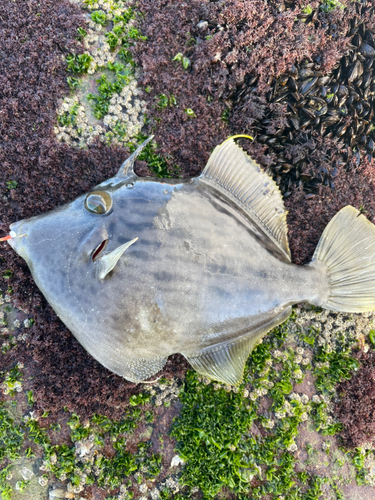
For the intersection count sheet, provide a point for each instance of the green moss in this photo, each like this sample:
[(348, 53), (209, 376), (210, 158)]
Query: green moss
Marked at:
[(333, 366), (163, 101), (99, 17), (78, 63), (155, 162), (330, 5), (11, 184), (107, 89), (69, 117)]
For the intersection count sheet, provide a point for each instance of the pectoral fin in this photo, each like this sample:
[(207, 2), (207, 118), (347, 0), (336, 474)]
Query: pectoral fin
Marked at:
[(107, 262)]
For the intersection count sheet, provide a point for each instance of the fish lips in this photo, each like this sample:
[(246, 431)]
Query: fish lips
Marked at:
[(18, 233)]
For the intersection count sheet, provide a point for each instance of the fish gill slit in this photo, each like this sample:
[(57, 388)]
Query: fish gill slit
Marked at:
[(99, 249)]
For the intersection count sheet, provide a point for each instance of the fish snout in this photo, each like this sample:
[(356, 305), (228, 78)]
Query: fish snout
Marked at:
[(18, 234)]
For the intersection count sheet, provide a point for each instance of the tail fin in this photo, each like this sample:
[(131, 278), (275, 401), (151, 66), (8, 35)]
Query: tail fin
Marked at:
[(347, 248)]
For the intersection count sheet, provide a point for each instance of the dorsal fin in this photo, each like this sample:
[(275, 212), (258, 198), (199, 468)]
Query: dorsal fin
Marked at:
[(127, 168), (231, 171)]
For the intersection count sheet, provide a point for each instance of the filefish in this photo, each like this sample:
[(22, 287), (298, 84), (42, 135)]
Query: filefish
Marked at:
[(141, 268)]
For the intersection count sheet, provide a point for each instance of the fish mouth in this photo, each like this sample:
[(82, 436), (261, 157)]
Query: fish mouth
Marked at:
[(96, 253)]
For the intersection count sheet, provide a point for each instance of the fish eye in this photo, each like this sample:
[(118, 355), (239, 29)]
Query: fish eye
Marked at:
[(98, 202)]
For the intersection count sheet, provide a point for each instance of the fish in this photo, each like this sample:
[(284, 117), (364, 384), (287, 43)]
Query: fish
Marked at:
[(139, 268)]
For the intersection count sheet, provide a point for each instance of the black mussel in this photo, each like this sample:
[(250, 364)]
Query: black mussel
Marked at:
[(292, 70), (343, 90), (349, 101), (306, 85), (309, 112), (283, 80), (369, 37), (329, 97), (262, 138), (361, 128), (342, 101), (358, 83), (286, 167), (306, 73), (292, 84), (362, 28), (335, 87), (361, 58), (345, 63), (366, 93), (355, 95), (355, 72), (341, 130), (307, 64), (295, 122), (292, 108), (321, 111), (365, 112), (317, 60), (281, 95), (303, 16), (343, 110), (352, 136), (368, 63), (369, 157), (323, 80), (355, 125), (316, 122), (370, 145), (333, 112), (359, 107), (357, 40), (356, 158), (305, 124), (337, 73), (329, 120), (362, 139), (301, 104), (253, 79), (272, 141), (367, 50), (323, 91), (367, 79), (305, 176)]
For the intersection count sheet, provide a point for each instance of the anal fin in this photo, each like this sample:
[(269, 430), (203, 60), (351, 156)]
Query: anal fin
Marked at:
[(226, 362)]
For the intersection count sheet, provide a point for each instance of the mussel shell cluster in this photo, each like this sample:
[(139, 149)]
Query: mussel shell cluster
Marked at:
[(336, 105)]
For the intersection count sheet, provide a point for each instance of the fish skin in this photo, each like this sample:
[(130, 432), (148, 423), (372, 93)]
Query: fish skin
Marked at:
[(200, 273)]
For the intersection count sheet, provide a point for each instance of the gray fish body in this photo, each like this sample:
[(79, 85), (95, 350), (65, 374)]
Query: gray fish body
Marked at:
[(200, 276)]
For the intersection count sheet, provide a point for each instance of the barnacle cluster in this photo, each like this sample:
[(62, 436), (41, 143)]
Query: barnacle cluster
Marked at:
[(116, 113)]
